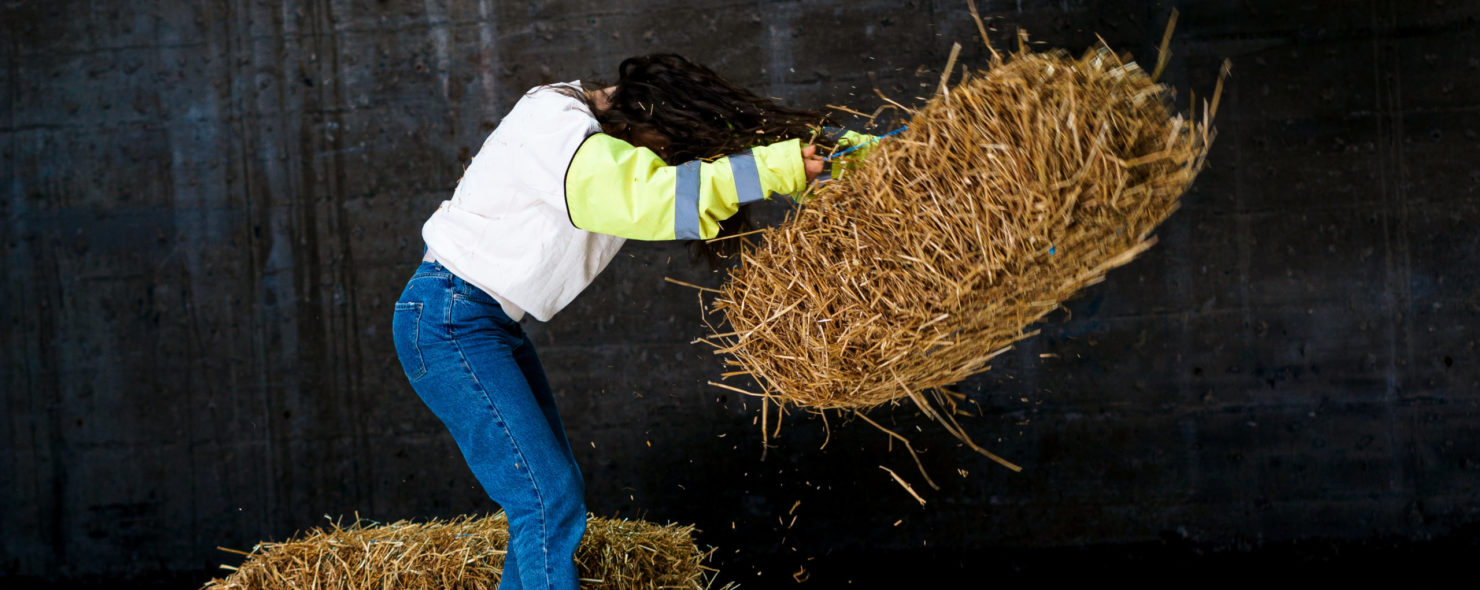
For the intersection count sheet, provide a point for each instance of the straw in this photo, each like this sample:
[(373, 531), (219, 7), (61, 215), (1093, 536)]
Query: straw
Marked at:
[(1005, 195), (466, 552)]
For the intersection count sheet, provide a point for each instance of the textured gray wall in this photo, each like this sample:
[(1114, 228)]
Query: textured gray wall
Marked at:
[(210, 207)]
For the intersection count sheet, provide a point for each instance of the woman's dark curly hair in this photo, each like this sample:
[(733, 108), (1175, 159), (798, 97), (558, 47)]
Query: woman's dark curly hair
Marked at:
[(704, 117)]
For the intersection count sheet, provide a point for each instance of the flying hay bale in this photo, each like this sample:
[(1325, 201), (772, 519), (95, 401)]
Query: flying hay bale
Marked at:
[(1006, 194), (465, 553)]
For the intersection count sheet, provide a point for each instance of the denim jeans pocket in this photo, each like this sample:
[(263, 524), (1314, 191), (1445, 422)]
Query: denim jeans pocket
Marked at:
[(406, 329)]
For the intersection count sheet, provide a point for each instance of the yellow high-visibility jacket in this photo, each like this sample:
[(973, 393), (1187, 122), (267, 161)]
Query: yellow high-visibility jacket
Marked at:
[(615, 188), (508, 227)]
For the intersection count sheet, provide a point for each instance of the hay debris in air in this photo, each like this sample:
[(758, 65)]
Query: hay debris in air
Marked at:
[(1009, 192), (465, 553)]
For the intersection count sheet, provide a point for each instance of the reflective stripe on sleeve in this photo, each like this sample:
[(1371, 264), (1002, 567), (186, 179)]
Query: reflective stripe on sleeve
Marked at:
[(686, 202), (747, 178)]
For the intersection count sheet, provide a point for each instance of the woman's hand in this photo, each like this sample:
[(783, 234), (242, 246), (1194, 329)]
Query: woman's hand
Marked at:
[(812, 162)]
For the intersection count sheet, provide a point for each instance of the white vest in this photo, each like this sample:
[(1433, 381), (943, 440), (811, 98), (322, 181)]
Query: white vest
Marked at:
[(506, 229)]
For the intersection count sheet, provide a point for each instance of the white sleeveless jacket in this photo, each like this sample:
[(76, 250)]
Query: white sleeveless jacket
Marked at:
[(506, 229)]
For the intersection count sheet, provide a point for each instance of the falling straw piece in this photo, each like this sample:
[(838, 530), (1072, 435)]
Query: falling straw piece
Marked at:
[(691, 285), (904, 484)]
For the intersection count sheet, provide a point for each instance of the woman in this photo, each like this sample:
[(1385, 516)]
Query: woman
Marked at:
[(544, 206)]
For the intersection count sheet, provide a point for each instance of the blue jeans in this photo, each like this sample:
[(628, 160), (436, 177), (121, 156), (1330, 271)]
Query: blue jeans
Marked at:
[(477, 371)]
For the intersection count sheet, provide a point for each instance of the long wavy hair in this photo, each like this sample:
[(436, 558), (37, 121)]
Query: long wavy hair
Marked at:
[(704, 116)]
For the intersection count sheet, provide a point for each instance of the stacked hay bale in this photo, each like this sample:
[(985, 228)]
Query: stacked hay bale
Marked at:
[(1006, 194), (465, 553)]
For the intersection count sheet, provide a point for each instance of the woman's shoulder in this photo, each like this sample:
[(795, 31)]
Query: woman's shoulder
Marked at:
[(551, 109), (560, 96)]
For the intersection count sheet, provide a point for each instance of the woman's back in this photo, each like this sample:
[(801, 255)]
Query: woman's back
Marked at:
[(506, 228)]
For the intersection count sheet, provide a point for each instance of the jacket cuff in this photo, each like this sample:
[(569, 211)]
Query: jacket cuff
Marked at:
[(784, 160)]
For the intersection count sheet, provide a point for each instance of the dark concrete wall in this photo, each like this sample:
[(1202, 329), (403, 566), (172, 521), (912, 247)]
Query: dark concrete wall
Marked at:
[(210, 207)]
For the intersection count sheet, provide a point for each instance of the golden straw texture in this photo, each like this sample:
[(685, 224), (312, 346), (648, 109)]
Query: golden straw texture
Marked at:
[(1008, 193), (465, 553)]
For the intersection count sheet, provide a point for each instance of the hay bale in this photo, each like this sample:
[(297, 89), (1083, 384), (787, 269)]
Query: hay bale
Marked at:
[(1007, 194), (465, 553)]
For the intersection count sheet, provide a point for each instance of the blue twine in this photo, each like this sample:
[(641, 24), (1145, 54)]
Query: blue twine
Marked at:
[(901, 128)]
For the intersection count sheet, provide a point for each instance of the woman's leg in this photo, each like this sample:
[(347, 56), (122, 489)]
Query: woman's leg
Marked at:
[(534, 373), (523, 464), (473, 383)]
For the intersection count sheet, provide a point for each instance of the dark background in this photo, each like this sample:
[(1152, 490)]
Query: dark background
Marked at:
[(211, 206)]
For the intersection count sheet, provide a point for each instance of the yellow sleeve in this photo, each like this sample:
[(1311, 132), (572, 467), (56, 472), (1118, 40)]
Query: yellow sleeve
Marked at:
[(615, 188)]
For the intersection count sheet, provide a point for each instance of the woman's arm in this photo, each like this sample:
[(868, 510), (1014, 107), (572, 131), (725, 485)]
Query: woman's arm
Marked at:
[(613, 187)]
